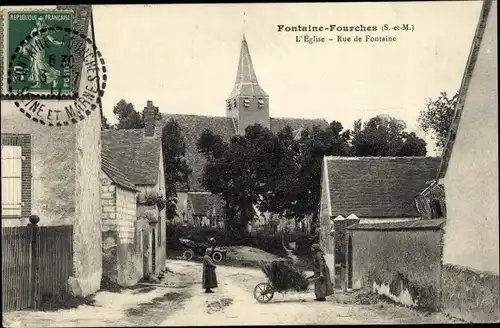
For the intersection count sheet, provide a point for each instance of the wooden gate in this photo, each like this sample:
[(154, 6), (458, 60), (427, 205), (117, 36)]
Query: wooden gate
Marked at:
[(16, 268), (36, 263)]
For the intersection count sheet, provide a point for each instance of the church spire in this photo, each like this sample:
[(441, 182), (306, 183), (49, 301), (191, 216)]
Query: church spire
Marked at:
[(246, 83), (248, 103), (246, 72)]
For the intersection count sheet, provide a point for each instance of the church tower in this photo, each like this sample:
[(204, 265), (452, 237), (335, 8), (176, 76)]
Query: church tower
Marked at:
[(248, 103)]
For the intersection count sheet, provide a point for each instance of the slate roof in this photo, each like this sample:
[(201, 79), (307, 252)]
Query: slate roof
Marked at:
[(378, 187), (204, 204), (405, 225), (115, 174), (464, 88), (193, 125), (137, 156)]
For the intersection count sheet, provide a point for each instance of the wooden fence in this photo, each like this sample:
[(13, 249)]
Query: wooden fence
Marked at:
[(36, 262)]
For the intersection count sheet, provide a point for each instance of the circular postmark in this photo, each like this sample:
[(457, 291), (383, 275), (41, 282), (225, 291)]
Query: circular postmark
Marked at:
[(56, 75)]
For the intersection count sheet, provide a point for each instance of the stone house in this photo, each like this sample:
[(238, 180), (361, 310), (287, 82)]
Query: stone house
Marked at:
[(246, 105), (469, 172), (122, 250), (53, 171), (367, 190), (138, 154)]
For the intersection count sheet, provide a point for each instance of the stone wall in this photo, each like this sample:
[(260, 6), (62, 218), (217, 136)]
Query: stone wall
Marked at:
[(470, 295), (121, 256), (404, 265)]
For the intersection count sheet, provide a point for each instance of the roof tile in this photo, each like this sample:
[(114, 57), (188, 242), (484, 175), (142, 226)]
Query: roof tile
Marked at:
[(378, 187), (137, 156)]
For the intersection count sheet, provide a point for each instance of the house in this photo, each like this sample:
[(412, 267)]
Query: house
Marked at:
[(367, 190), (203, 209), (122, 239), (138, 154), (469, 173), (246, 105), (52, 169)]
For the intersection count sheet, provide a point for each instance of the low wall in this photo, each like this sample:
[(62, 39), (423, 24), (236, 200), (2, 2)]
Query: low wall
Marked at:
[(469, 295), (403, 264)]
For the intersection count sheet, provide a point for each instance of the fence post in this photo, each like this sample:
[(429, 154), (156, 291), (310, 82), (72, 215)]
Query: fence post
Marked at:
[(35, 259)]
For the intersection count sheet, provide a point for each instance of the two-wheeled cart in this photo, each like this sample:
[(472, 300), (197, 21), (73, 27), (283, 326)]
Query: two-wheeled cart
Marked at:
[(264, 291)]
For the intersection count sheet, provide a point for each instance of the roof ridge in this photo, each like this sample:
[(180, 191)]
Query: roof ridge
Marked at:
[(300, 118), (354, 158)]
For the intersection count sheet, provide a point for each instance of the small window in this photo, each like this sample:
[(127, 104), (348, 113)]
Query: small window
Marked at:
[(235, 103), (436, 209), (16, 175), (246, 102), (228, 105), (261, 103)]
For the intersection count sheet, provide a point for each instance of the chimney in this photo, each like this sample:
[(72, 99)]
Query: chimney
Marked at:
[(149, 119)]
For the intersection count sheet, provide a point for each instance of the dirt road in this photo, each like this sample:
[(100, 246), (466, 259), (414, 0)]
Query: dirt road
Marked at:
[(231, 304)]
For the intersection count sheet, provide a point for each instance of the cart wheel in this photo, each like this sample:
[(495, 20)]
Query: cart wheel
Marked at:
[(263, 292), (217, 256), (188, 254)]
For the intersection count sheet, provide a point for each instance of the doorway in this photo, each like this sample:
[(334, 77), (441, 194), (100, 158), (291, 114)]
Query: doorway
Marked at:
[(349, 262), (153, 250)]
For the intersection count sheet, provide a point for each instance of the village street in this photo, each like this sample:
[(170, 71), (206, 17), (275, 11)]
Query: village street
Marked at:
[(231, 304)]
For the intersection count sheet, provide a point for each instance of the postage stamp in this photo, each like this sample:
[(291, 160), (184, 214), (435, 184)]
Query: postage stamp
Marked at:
[(47, 60), (43, 62)]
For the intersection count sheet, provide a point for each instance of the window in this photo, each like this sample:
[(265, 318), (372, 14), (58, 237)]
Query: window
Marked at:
[(436, 209), (246, 102), (261, 103), (228, 105), (159, 230), (235, 103), (16, 175)]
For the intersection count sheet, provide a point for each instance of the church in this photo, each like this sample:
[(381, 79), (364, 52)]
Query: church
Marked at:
[(246, 105)]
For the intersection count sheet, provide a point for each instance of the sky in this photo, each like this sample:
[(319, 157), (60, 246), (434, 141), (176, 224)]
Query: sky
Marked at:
[(184, 57)]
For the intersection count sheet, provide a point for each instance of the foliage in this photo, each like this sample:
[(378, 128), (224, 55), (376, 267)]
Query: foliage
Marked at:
[(437, 118), (175, 166), (128, 117), (237, 171), (385, 136), (313, 146), (152, 200), (285, 276), (269, 242)]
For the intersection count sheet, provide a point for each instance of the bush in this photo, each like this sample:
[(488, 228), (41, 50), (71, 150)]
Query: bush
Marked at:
[(267, 241)]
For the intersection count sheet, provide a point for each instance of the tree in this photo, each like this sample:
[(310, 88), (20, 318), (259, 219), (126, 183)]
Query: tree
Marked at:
[(383, 135), (127, 116), (314, 144), (436, 119), (176, 168), (239, 171)]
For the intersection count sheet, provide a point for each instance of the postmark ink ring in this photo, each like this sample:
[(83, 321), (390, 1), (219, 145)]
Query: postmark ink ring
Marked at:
[(56, 63)]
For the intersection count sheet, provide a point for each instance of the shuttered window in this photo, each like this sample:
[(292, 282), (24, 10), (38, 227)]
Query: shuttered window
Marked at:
[(16, 175), (11, 180)]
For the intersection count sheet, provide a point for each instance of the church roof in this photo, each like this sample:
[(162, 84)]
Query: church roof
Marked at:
[(137, 156), (206, 204), (193, 125), (377, 187), (246, 80)]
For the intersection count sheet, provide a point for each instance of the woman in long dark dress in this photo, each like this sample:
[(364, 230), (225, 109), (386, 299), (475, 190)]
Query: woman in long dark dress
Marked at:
[(323, 286), (209, 278)]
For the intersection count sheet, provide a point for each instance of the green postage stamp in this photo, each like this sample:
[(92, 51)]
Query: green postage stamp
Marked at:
[(38, 58)]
